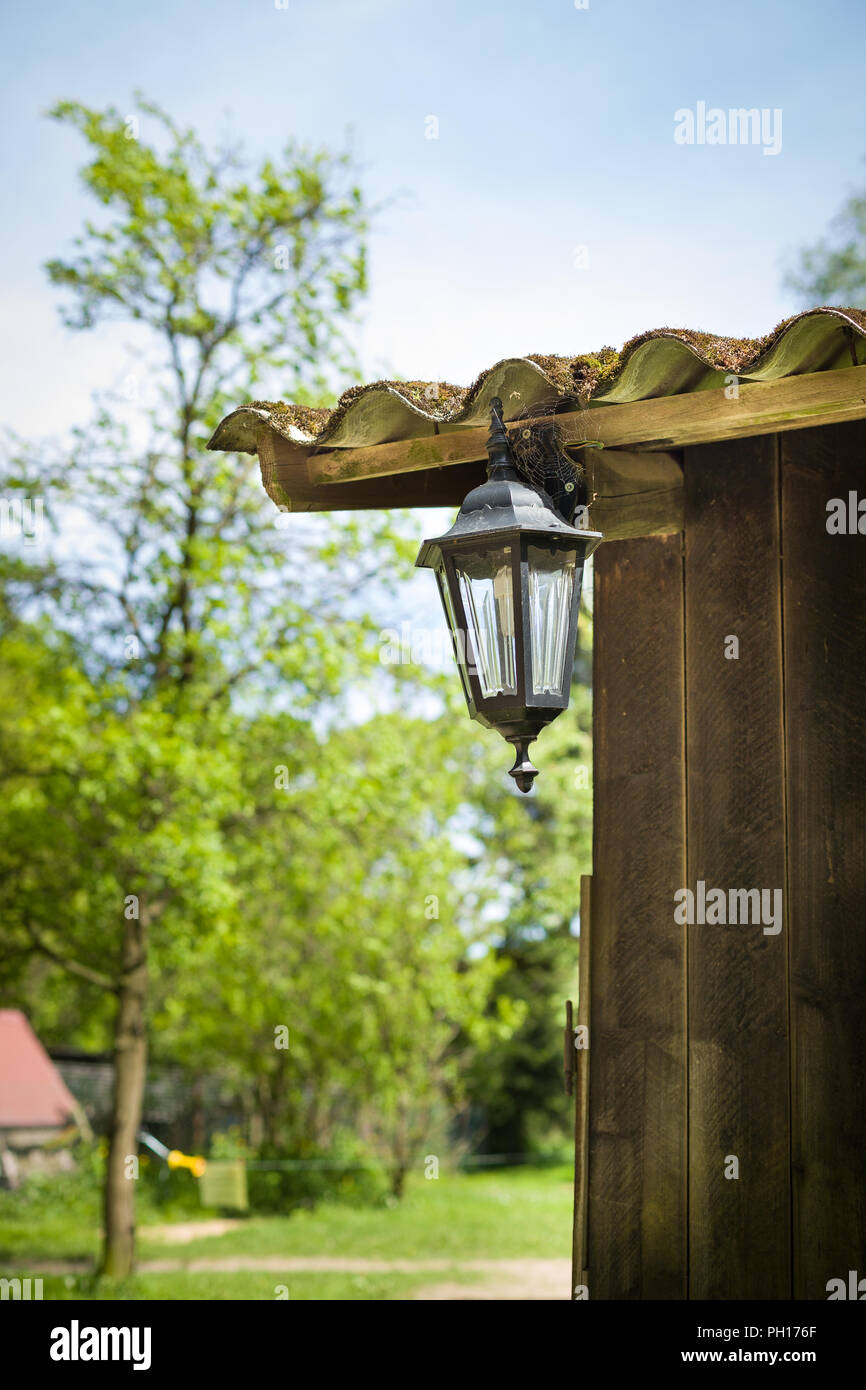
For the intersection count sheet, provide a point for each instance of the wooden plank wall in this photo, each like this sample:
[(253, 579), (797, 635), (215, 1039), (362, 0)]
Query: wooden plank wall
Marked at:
[(637, 1087), (737, 976), (718, 1042), (824, 596), (579, 1247)]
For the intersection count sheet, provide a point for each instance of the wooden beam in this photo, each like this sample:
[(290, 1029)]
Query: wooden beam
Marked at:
[(630, 494), (665, 422), (739, 1218), (634, 495), (637, 978), (824, 598), (400, 456), (286, 476), (579, 1246)]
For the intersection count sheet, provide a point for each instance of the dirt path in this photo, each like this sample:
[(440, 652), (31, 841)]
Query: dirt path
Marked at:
[(181, 1232), (527, 1279)]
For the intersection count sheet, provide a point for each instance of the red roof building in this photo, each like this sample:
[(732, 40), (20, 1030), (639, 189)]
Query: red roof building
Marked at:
[(34, 1102)]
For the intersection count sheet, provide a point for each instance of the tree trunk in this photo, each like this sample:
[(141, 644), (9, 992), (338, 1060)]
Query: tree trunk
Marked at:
[(130, 1066), (401, 1155)]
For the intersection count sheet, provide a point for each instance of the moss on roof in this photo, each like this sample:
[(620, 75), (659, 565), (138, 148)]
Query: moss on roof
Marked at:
[(309, 418), (577, 378)]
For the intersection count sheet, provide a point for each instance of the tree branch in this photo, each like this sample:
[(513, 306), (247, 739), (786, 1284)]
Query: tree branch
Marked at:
[(74, 967)]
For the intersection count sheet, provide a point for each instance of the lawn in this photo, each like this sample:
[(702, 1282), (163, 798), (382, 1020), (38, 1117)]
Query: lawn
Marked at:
[(510, 1214), (217, 1287)]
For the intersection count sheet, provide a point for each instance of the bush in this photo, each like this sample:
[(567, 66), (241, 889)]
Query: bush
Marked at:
[(41, 1195), (345, 1173), (165, 1190)]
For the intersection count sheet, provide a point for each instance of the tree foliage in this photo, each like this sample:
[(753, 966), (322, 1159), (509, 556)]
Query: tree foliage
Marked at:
[(202, 843), (833, 271)]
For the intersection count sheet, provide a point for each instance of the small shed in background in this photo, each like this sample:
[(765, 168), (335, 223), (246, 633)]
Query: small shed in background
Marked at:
[(36, 1106), (722, 1100)]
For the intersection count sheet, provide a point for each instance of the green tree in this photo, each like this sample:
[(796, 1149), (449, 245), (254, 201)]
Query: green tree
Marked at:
[(171, 649), (368, 957), (833, 271), (180, 597), (518, 1088)]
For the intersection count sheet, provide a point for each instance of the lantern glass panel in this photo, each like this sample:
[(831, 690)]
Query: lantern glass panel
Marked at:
[(458, 637), (486, 580), (551, 576)]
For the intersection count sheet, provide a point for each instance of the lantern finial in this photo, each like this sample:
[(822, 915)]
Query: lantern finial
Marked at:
[(524, 772), (501, 464)]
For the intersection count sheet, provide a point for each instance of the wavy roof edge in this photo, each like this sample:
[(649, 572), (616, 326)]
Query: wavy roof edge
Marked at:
[(662, 362)]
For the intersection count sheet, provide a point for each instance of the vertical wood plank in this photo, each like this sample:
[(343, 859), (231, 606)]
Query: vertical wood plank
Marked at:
[(579, 1249), (825, 685), (739, 1227), (637, 1052)]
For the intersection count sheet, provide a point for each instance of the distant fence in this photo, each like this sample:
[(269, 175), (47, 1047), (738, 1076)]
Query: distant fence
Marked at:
[(466, 1161), (176, 1108)]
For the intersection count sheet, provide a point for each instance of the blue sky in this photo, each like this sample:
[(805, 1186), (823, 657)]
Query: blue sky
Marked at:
[(555, 131)]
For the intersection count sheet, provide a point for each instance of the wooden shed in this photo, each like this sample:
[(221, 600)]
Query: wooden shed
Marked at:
[(722, 1098), (35, 1104)]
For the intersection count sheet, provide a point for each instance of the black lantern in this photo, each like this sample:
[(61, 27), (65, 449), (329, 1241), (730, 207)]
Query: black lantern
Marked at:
[(510, 572)]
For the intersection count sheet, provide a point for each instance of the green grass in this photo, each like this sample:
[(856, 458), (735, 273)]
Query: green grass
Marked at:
[(302, 1287), (49, 1222), (503, 1214), (59, 1217), (508, 1214)]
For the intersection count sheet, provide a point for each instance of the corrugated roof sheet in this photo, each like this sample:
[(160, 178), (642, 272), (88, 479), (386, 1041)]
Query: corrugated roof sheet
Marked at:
[(663, 362)]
